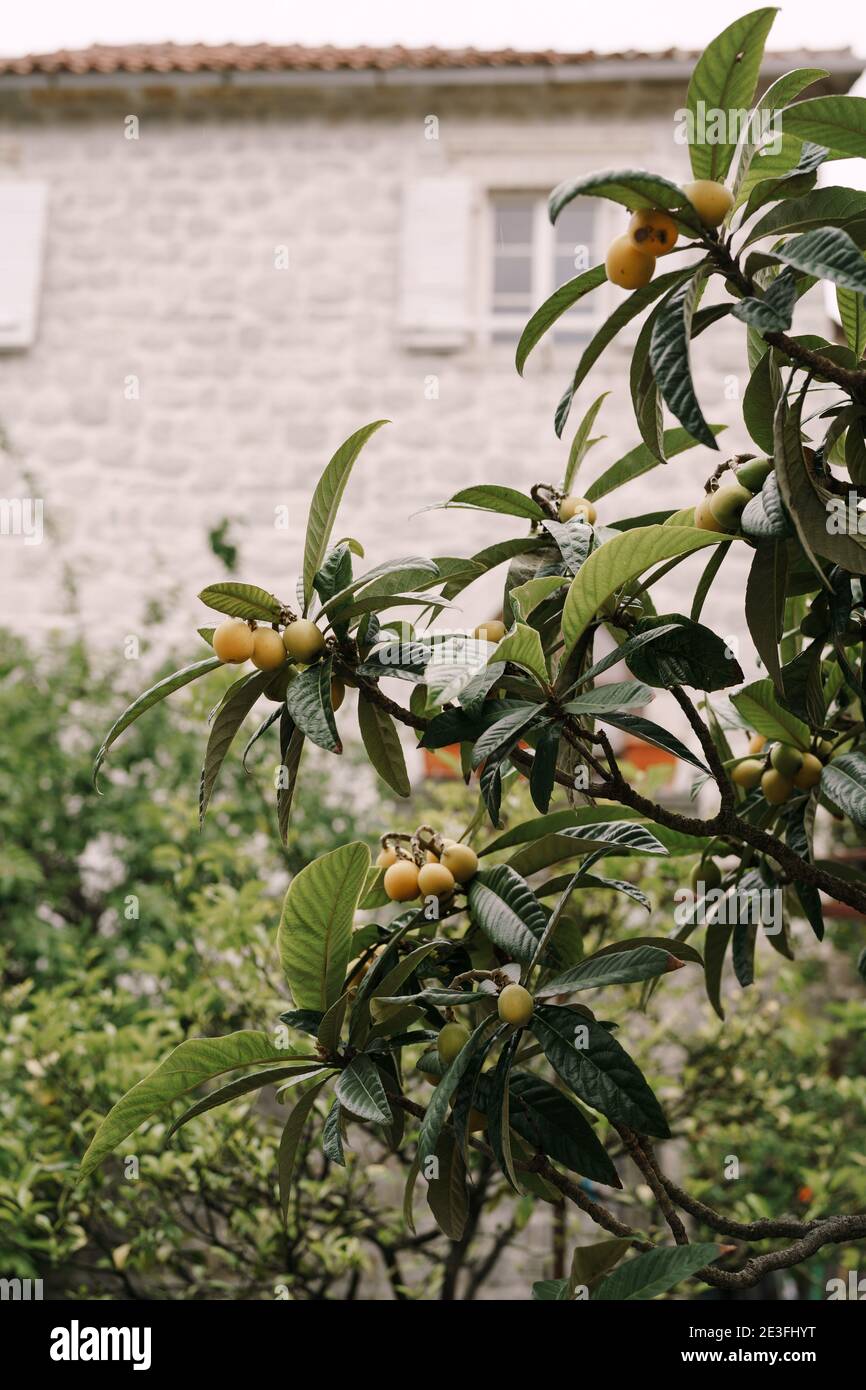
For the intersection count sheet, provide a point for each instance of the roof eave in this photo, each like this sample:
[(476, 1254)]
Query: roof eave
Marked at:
[(602, 70)]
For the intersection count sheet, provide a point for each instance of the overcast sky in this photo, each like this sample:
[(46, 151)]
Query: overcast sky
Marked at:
[(44, 25)]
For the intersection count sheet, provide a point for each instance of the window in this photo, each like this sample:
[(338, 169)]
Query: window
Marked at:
[(531, 258)]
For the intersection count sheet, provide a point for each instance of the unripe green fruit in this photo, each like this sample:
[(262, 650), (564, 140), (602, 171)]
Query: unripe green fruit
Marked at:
[(303, 640), (708, 873), (786, 760), (704, 518), (810, 773), (727, 505), (515, 1005), (747, 774), (233, 641), (452, 1039), (461, 860), (754, 474), (268, 649), (775, 787)]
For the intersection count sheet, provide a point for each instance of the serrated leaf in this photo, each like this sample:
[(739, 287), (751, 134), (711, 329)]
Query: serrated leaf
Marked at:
[(828, 253), (507, 911), (191, 1064), (360, 1090), (382, 743), (308, 701), (759, 707), (552, 1124), (490, 497), (618, 968), (598, 1070), (654, 1272), (618, 695), (839, 122), (446, 1194), (640, 460), (242, 601), (617, 563), (167, 686), (332, 1135), (255, 1081), (289, 1141), (724, 79), (315, 932), (553, 308), (230, 716), (631, 188), (691, 655), (649, 732), (291, 748), (844, 781), (523, 647), (670, 359), (326, 500), (438, 1104)]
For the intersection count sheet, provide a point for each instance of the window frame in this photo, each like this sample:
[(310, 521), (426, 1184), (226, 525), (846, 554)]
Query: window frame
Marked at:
[(542, 270)]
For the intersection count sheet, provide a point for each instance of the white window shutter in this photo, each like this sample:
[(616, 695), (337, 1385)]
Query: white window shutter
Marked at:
[(22, 237), (435, 257)]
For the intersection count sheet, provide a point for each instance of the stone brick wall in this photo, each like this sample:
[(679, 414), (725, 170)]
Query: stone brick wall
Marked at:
[(179, 377)]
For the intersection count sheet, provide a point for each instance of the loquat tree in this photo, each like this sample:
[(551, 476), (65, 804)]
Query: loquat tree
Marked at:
[(473, 983)]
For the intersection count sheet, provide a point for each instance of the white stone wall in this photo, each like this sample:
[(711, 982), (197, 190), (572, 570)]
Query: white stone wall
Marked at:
[(160, 266)]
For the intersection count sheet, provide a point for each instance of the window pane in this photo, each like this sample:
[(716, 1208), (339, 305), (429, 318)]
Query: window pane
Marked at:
[(512, 275), (574, 249), (513, 222)]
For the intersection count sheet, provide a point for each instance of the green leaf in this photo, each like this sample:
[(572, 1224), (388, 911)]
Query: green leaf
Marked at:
[(759, 707), (828, 253), (498, 1108), (689, 655), (574, 540), (489, 558), (623, 314), (507, 911), (590, 1262), (332, 1135), (526, 597), (242, 601), (597, 1069), (446, 1194), (438, 1104), (291, 747), (774, 312), (609, 698), (254, 1082), (765, 604), (844, 781), (289, 1141), (195, 1061), (615, 838), (382, 743), (760, 133), (502, 736), (839, 122), (166, 686), (823, 207), (549, 1120), (618, 968), (852, 311), (231, 714), (360, 1090), (554, 307), (724, 79), (631, 188), (669, 357), (326, 501), (315, 932), (654, 1272), (490, 497), (623, 652), (618, 562), (542, 777), (523, 647), (806, 499), (582, 442), (759, 402), (308, 701), (653, 733)]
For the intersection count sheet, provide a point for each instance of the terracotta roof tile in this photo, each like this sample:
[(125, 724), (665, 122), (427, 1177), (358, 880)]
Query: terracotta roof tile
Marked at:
[(205, 58)]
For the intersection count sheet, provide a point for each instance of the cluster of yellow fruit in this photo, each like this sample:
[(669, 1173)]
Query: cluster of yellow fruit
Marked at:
[(433, 868), (652, 232), (787, 770), (721, 510), (236, 641)]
